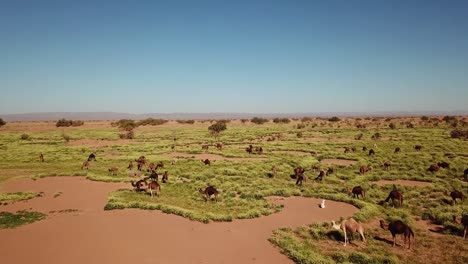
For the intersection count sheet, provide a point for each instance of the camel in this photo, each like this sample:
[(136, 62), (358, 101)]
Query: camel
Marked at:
[(347, 149), (386, 165), (433, 168), (397, 150), (172, 147), (465, 174), (165, 177), (395, 195), (353, 149), (92, 157), (154, 186), (316, 167), (130, 165), (363, 169), (140, 185), (153, 176), (371, 152), (249, 149), (322, 174), (274, 172), (159, 165), (219, 146), (208, 192), (41, 157), (364, 148), (85, 165), (418, 147), (206, 162), (330, 171), (456, 195), (358, 190), (173, 162), (464, 222), (443, 164), (151, 167), (205, 147), (398, 227), (349, 225), (141, 161), (113, 170)]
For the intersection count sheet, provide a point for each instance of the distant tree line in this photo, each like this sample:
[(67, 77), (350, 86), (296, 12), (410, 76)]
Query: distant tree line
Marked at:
[(66, 123)]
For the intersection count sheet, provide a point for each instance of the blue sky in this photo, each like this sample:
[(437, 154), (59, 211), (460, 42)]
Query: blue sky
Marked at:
[(233, 56)]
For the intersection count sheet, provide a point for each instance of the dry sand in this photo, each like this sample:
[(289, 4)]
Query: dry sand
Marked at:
[(93, 235)]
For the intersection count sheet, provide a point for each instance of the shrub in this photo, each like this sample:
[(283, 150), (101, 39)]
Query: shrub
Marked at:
[(299, 134), (25, 137), (125, 124), (459, 133), (306, 119), (281, 120), (301, 126), (127, 135), (151, 122), (449, 118), (424, 118), (2, 123), (244, 120), (66, 123), (334, 119), (392, 125), (217, 127), (186, 121), (259, 120)]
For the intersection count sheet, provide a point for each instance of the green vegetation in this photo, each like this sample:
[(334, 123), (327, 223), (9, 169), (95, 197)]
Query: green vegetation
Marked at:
[(259, 120), (17, 196), (12, 220), (244, 185), (217, 127)]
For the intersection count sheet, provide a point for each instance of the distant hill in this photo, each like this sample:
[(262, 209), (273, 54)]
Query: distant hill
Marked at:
[(46, 116)]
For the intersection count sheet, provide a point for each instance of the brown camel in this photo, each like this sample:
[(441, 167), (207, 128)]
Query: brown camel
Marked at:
[(443, 164), (208, 192), (349, 225), (465, 174), (154, 188), (165, 177), (130, 165), (206, 162), (398, 227), (371, 152), (395, 195), (358, 190), (363, 169), (205, 147), (397, 150), (249, 149), (456, 195), (330, 171), (85, 165), (219, 146), (92, 157), (322, 174), (274, 172), (387, 165), (113, 170), (140, 185), (433, 168), (41, 157), (464, 222), (418, 147)]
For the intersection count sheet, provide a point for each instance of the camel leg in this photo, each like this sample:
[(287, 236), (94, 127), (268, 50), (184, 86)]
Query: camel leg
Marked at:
[(345, 236), (362, 236), (394, 240), (464, 232)]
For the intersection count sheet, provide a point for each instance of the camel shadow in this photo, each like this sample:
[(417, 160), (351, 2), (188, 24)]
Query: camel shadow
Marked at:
[(384, 240)]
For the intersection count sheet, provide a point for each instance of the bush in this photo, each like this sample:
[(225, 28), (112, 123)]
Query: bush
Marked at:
[(424, 118), (299, 134), (449, 118), (281, 120), (127, 135), (244, 121), (306, 119), (459, 133), (392, 125), (218, 127), (2, 123), (25, 137), (186, 121), (334, 119), (66, 123), (259, 120), (151, 122), (125, 124)]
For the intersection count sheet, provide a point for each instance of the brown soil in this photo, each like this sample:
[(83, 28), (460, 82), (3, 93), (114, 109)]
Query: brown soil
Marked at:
[(339, 162), (403, 183), (91, 235), (208, 156)]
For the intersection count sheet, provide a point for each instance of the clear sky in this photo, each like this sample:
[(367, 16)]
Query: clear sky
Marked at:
[(233, 56)]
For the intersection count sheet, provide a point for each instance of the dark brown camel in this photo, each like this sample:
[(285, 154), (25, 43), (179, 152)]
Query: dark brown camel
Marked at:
[(205, 147), (371, 152), (456, 195), (159, 165), (322, 174), (397, 150), (41, 157), (140, 185), (433, 168), (299, 173), (165, 177), (364, 148), (206, 162), (443, 164), (464, 222), (418, 147), (330, 171), (398, 227), (141, 162), (153, 176), (465, 174), (219, 146), (386, 165), (208, 192), (92, 157), (249, 149), (395, 195), (347, 149), (358, 190)]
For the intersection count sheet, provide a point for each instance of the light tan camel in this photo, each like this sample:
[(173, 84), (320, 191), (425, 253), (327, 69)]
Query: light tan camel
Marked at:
[(350, 225)]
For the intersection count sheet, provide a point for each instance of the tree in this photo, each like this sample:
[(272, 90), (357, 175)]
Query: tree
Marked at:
[(217, 127), (2, 123), (392, 125), (334, 119), (259, 120)]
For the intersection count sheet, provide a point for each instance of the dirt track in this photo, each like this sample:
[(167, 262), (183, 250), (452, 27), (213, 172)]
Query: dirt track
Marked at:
[(92, 235)]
